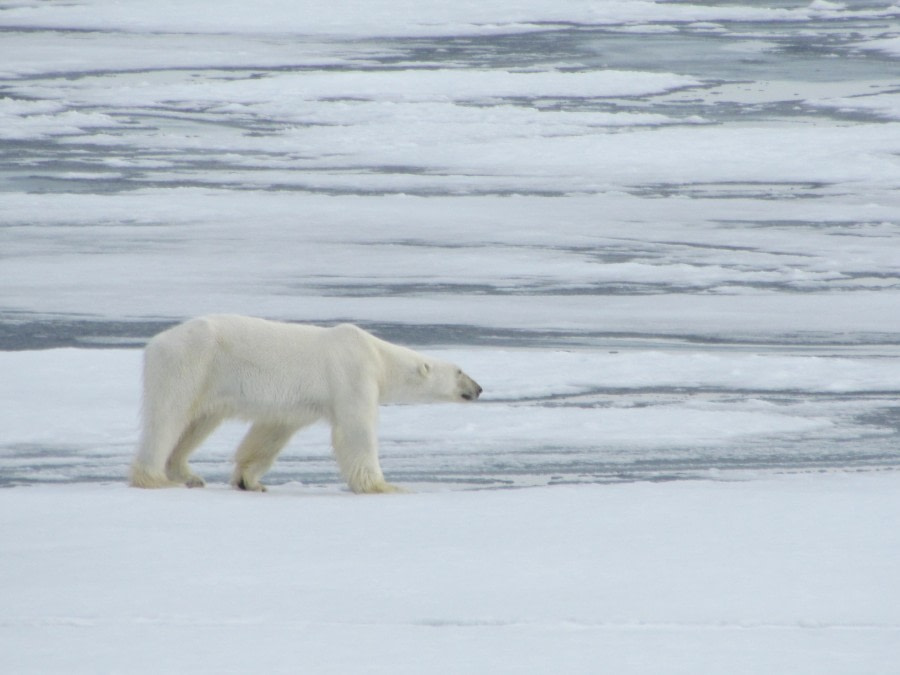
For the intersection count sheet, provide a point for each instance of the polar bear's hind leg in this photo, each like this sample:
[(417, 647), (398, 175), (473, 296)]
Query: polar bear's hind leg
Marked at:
[(256, 453), (159, 437), (177, 469), (175, 367)]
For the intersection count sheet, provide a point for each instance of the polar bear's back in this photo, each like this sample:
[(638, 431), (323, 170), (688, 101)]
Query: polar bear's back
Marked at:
[(255, 339), (241, 365)]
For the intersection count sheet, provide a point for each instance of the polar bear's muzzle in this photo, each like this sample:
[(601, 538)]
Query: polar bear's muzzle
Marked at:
[(471, 390)]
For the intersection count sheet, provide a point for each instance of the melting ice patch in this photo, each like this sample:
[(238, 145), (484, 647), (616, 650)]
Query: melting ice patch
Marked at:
[(884, 104), (889, 45), (38, 119)]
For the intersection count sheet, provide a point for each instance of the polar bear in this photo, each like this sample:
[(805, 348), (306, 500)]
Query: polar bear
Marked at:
[(281, 377)]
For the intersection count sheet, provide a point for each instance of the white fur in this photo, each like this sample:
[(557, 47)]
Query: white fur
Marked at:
[(281, 377)]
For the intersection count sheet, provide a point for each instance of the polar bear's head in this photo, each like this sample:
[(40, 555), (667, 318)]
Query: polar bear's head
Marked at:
[(447, 382), (421, 379)]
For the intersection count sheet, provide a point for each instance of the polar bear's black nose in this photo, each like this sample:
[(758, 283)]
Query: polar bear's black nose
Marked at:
[(473, 393)]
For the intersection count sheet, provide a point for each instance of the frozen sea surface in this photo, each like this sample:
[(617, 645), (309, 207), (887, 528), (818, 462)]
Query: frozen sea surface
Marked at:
[(662, 235)]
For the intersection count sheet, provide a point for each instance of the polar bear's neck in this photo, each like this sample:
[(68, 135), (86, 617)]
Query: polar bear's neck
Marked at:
[(399, 381)]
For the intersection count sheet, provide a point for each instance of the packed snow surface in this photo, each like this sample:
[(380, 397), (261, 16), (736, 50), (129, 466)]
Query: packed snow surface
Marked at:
[(789, 575)]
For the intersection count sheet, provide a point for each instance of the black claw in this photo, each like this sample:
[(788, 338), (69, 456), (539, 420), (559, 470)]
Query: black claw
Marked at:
[(241, 484)]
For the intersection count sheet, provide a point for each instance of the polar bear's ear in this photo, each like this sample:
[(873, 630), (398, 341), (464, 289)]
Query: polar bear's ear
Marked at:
[(425, 369)]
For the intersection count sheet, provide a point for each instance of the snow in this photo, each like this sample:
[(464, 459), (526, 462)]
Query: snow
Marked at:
[(788, 575), (662, 235)]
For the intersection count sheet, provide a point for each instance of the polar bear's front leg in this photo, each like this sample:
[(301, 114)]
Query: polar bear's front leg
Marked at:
[(356, 451)]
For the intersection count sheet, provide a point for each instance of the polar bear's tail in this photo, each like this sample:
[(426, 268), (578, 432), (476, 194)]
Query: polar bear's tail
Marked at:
[(175, 363)]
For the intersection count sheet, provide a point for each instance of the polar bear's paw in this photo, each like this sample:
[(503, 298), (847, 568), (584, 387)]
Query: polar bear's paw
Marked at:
[(143, 477), (242, 483), (390, 488), (184, 476), (380, 488)]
